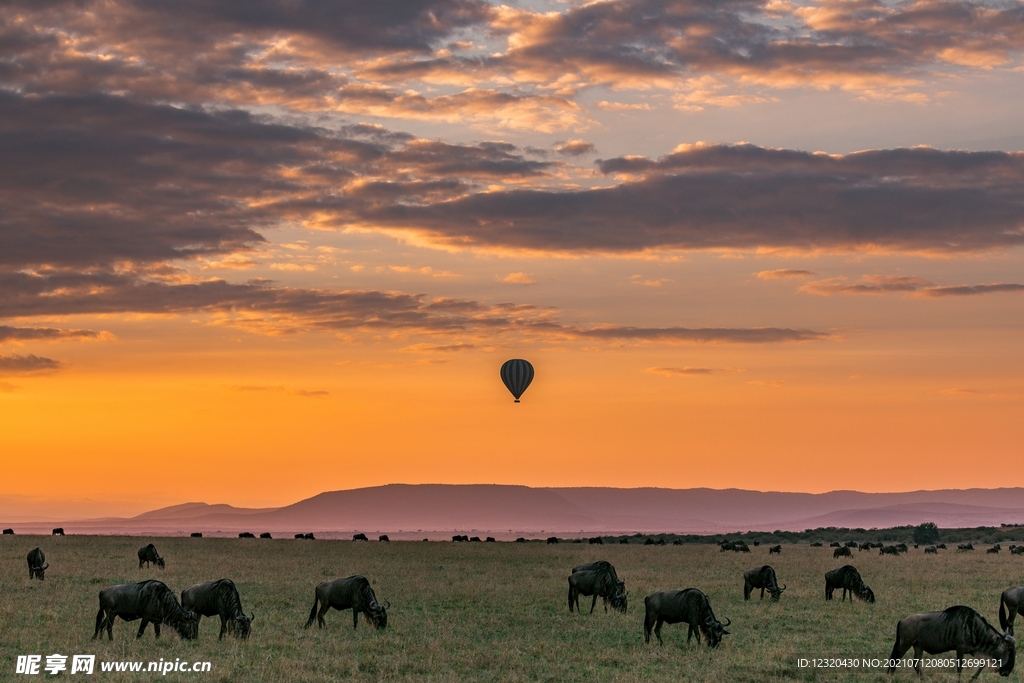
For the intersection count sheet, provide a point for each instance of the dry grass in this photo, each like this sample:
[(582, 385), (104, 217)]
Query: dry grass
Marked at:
[(484, 612)]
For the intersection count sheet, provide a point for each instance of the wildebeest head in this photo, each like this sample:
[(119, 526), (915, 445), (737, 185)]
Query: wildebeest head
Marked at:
[(378, 615), (188, 627), (41, 571), (618, 599), (866, 594), (713, 630), (160, 562), (240, 625)]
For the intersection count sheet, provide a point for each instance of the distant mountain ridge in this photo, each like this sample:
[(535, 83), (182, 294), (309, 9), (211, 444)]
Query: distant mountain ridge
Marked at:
[(507, 509)]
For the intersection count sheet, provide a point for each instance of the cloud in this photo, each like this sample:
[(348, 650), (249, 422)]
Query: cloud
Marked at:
[(885, 284), (684, 371), (756, 335), (518, 279), (575, 148), (784, 274), (22, 365), (9, 333), (971, 290)]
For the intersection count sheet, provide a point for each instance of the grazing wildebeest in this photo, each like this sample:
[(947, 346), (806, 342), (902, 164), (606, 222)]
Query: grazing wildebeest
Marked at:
[(993, 551), (150, 601), (309, 536), (842, 552), (956, 628), (149, 554), (59, 531), (902, 548), (941, 546), (218, 598), (816, 544), (864, 546), (352, 593), (649, 541), (247, 534), (8, 532), (552, 539), (746, 549), (595, 540), (623, 541), (196, 534), (931, 550), (851, 544), (475, 539), (1010, 602), (266, 534), (360, 537), (726, 545), (889, 550), (37, 565), (847, 578), (520, 540), (300, 535), (490, 539), (384, 538), (597, 579), (689, 606), (834, 544), (1019, 550), (964, 546), (677, 542), (761, 577), (460, 539), (775, 550)]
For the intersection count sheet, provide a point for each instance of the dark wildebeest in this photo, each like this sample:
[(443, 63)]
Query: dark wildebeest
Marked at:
[(851, 544), (941, 546), (150, 601), (8, 532), (266, 534), (196, 534), (775, 550), (834, 544), (353, 593), (1019, 550), (744, 548), (964, 546), (149, 554), (889, 550), (359, 537), (597, 579), (993, 551), (475, 539), (1010, 602), (761, 577), (931, 550), (490, 539), (677, 542), (902, 548), (727, 545), (816, 544), (689, 606), (847, 578), (59, 531), (37, 564), (520, 540), (309, 536), (383, 537), (957, 628), (247, 534), (841, 552), (552, 539), (623, 541), (595, 540), (218, 598), (864, 546), (757, 543)]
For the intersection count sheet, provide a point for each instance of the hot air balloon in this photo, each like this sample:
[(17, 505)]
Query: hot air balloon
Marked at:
[(517, 375)]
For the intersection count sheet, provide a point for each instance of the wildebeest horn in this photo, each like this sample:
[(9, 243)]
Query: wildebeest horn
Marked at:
[(252, 617), (783, 588), (727, 622), (387, 605), (46, 566)]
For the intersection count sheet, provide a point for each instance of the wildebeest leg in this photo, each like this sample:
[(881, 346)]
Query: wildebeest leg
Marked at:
[(571, 598), (156, 628), (142, 627), (110, 625), (919, 652), (223, 627), (762, 593), (648, 624), (898, 650), (594, 604), (355, 617), (100, 618), (978, 672), (657, 631), (324, 606)]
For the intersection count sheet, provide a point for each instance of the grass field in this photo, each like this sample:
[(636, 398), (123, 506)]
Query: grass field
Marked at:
[(484, 611)]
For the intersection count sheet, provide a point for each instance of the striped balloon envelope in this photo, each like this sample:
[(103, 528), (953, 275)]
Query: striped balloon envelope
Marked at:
[(517, 375)]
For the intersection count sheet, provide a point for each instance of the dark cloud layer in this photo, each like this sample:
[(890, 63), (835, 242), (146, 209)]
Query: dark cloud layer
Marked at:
[(10, 333), (21, 365)]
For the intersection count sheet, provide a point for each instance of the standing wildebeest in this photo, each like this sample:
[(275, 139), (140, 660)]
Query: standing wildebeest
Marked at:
[(37, 564), (552, 539), (149, 554), (490, 539), (889, 550), (690, 606), (150, 601), (595, 540), (196, 534), (834, 544), (247, 534), (309, 536), (221, 598), (931, 550), (775, 550), (964, 546), (993, 551), (352, 593), (59, 531), (8, 532), (300, 535), (521, 540), (597, 579), (957, 628), (383, 537), (266, 534), (1010, 602), (761, 577), (359, 537), (841, 552), (847, 578), (1018, 550)]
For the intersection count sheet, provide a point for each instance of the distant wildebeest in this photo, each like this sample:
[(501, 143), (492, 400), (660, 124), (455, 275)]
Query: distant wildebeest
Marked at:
[(847, 578), (889, 550), (677, 542), (266, 534), (726, 545), (816, 544), (309, 536), (247, 534), (775, 550), (218, 598), (8, 532), (595, 540), (851, 544), (37, 565), (599, 580), (300, 535), (623, 541), (475, 539), (763, 578), (689, 606), (490, 539), (649, 541), (757, 543), (834, 544), (552, 539), (383, 538), (150, 601), (460, 539), (1010, 603), (352, 593), (842, 552), (993, 551), (941, 546), (59, 531), (931, 550), (956, 628), (964, 546), (149, 554), (1019, 550), (864, 546), (196, 534), (520, 540), (360, 537), (902, 548)]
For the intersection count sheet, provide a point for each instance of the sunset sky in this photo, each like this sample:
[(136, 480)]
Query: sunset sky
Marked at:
[(252, 251)]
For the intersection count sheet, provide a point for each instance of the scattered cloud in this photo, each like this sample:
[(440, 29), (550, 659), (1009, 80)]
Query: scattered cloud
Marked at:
[(784, 274), (8, 333), (971, 290), (518, 279), (886, 284), (684, 371), (23, 365), (575, 148)]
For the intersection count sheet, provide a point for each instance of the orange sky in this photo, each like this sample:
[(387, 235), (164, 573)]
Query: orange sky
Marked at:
[(250, 259)]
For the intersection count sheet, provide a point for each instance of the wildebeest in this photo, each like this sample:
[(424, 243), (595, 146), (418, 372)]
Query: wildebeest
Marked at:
[(475, 539), (490, 539), (992, 551), (460, 539), (309, 536), (842, 552), (864, 546), (218, 598), (775, 550), (964, 546), (384, 538), (689, 606), (595, 540), (8, 532), (599, 580), (889, 550), (956, 628), (847, 578), (623, 541), (677, 542), (932, 550), (300, 535), (1019, 550), (763, 578), (552, 539), (834, 544), (150, 601), (149, 554), (362, 537), (816, 544), (266, 534), (37, 565), (247, 534), (902, 548), (352, 593), (1010, 602), (757, 543), (196, 534), (59, 531), (941, 546), (520, 540), (851, 544)]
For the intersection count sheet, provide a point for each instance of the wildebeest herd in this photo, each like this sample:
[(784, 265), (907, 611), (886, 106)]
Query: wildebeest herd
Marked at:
[(959, 628)]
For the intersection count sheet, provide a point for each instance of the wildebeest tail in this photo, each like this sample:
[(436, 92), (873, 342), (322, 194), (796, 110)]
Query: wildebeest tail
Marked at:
[(896, 654), (570, 596), (99, 622), (312, 612), (1004, 620)]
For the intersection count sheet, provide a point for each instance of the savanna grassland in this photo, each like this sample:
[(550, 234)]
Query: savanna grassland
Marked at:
[(484, 611)]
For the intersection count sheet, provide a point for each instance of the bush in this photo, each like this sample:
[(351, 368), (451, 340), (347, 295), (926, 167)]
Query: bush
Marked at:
[(926, 533)]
